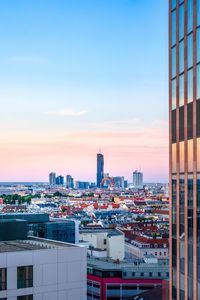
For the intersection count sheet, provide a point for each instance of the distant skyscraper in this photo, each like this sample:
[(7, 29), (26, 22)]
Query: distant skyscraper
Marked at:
[(184, 108), (138, 179), (100, 168), (60, 180), (69, 182), (52, 178)]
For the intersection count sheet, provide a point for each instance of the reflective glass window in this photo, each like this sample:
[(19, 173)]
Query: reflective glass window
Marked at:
[(173, 4), (198, 12), (198, 158), (190, 155), (190, 15), (173, 62), (173, 94), (190, 86), (174, 27), (182, 158), (198, 81), (181, 56), (181, 21), (173, 158), (181, 90), (190, 50), (198, 45)]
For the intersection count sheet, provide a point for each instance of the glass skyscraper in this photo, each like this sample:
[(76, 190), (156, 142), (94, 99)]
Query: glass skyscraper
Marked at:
[(184, 107), (100, 168)]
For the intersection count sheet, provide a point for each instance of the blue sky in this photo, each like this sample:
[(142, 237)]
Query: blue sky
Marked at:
[(70, 69)]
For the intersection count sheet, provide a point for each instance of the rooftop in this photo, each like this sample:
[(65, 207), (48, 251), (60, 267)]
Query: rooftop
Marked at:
[(31, 244)]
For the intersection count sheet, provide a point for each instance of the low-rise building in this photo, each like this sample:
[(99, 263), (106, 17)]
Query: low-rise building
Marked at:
[(111, 241), (108, 279)]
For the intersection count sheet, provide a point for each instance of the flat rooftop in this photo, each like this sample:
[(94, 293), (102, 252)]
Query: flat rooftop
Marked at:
[(31, 244), (109, 264)]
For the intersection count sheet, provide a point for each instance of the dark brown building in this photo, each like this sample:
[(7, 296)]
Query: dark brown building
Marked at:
[(184, 111)]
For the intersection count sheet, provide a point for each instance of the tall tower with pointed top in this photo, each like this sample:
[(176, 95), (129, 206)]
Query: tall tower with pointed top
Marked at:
[(100, 168)]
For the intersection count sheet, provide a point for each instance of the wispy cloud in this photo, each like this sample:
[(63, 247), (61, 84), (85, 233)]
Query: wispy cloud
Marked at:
[(68, 112)]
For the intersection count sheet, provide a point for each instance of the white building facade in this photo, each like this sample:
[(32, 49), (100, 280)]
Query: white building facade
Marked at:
[(42, 270)]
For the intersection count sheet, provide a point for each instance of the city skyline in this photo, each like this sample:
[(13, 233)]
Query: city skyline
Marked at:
[(82, 82)]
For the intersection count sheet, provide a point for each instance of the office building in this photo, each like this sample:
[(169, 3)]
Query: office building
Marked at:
[(100, 169), (119, 182), (184, 107), (41, 269), (82, 185), (69, 182), (38, 225), (60, 180), (108, 279), (52, 179), (137, 179)]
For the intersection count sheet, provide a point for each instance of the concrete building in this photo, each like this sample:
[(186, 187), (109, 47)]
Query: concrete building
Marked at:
[(42, 270), (142, 247), (137, 179), (52, 179), (108, 280), (110, 241), (184, 108)]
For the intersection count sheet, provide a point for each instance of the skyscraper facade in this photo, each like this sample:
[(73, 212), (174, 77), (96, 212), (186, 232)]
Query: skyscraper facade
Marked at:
[(184, 114), (137, 179), (100, 168), (69, 182), (52, 178)]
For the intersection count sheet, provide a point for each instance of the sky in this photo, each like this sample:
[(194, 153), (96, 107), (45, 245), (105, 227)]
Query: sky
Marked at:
[(77, 76)]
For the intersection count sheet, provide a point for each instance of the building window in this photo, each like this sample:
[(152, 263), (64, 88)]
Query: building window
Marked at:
[(133, 274), (3, 279), (173, 62), (173, 4), (142, 274), (181, 90), (190, 50), (198, 12), (173, 94), (190, 15), (181, 21), (150, 274), (198, 81), (190, 86), (173, 28), (159, 274), (26, 297), (181, 56), (24, 277)]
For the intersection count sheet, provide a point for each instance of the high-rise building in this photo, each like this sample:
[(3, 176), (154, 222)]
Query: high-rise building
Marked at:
[(60, 180), (184, 108), (137, 179), (69, 182), (52, 178), (100, 168)]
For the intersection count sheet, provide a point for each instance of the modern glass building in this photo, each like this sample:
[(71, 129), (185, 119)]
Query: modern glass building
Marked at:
[(100, 168), (184, 108)]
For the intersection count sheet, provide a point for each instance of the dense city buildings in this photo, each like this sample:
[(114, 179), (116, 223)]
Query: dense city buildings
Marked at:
[(137, 179), (100, 169), (184, 103)]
